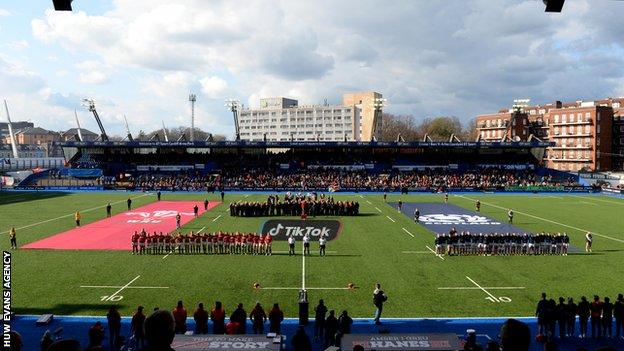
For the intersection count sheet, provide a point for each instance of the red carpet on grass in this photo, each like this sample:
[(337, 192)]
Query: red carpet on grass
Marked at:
[(115, 233)]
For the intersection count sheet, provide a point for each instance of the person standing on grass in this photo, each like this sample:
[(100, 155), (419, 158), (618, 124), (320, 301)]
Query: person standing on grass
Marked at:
[(13, 238), (510, 215), (306, 244), (618, 313), (584, 313), (607, 318), (540, 313), (331, 328), (222, 195), (571, 312), (205, 204), (239, 316), (385, 197), (417, 216), (77, 217), (114, 326), (138, 329), (399, 206), (291, 245), (478, 206), (596, 313), (276, 316), (379, 298), (217, 316), (129, 203), (178, 219), (322, 245), (588, 242), (108, 210), (446, 198), (158, 194), (319, 320), (195, 210), (257, 318), (201, 319), (179, 316)]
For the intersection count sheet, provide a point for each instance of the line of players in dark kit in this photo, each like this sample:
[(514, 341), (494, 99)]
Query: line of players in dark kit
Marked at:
[(295, 205), (466, 243)]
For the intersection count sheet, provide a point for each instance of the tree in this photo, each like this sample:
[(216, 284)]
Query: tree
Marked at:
[(441, 128), (393, 125)]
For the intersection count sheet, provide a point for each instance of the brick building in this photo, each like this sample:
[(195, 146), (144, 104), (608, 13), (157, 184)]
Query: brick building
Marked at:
[(588, 135)]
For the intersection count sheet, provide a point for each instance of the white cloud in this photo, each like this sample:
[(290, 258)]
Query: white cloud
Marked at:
[(4, 13), (457, 57), (214, 87)]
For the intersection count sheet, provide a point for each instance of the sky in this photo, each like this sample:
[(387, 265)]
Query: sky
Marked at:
[(142, 58)]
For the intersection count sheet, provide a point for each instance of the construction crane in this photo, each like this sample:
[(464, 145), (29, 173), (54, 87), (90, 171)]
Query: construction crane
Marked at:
[(90, 104)]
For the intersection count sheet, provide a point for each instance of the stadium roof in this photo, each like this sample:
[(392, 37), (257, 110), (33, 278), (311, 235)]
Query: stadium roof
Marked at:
[(301, 144)]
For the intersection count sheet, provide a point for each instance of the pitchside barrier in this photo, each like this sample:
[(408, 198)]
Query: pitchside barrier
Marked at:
[(402, 342), (226, 342)]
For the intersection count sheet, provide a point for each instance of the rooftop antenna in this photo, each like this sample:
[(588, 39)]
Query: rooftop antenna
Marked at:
[(192, 99), (90, 104), (128, 134), (165, 132), (11, 135), (78, 124), (234, 106)]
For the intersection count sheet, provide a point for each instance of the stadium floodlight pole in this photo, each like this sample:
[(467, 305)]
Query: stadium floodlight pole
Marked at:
[(234, 106), (192, 99), (165, 132), (11, 135), (90, 105), (128, 134), (78, 126), (378, 105)]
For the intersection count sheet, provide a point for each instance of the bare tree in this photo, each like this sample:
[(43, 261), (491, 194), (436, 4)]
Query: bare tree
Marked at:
[(393, 125)]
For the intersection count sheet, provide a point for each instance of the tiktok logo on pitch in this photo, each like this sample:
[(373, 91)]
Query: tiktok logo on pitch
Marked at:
[(154, 217)]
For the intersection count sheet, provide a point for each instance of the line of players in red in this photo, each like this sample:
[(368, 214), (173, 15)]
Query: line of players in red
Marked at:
[(197, 243)]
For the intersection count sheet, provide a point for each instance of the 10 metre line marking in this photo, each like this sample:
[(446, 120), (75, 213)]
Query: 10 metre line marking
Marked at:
[(407, 231), (489, 297), (115, 296)]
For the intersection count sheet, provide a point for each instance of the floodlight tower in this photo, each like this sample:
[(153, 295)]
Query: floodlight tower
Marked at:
[(90, 104), (378, 105), (234, 106), (11, 135), (192, 99), (165, 132), (78, 125), (128, 134)]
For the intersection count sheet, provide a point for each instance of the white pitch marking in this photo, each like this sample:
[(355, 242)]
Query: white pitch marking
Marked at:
[(294, 288), (123, 287), (361, 196), (128, 287), (72, 214), (601, 200), (416, 252), (378, 210), (485, 287), (545, 220), (390, 218), (368, 202), (279, 251), (201, 230), (494, 298), (303, 270), (214, 220), (432, 251), (407, 231), (246, 196)]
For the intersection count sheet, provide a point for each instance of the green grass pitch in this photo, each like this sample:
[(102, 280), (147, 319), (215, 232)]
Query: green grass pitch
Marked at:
[(370, 249)]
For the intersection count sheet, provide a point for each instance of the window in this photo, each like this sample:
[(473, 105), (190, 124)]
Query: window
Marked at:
[(563, 119), (556, 118)]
